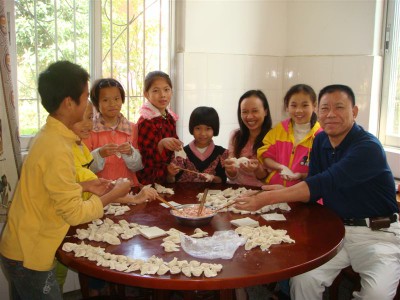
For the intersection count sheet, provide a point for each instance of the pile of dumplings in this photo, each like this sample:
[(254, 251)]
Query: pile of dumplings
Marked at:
[(108, 231), (263, 237), (151, 266), (161, 189), (115, 209), (226, 196), (172, 241)]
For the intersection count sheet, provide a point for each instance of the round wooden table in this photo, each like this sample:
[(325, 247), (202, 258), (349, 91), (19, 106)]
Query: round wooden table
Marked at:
[(318, 233)]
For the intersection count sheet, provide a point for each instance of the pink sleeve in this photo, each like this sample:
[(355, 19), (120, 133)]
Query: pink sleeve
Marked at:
[(89, 142), (230, 145), (134, 135)]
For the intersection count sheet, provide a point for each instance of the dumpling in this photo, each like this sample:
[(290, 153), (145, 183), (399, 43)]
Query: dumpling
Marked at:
[(209, 272), (175, 269), (186, 271), (68, 247), (163, 269)]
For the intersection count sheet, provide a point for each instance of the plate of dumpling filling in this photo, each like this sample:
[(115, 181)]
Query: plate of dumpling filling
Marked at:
[(188, 214)]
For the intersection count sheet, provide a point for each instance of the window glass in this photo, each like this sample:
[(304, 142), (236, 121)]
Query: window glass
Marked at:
[(134, 39), (390, 111)]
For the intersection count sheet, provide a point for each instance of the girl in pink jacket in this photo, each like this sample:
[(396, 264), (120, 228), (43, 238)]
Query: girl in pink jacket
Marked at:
[(286, 150), (113, 140)]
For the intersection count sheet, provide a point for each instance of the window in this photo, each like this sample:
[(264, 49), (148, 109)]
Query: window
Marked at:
[(123, 39), (390, 111)]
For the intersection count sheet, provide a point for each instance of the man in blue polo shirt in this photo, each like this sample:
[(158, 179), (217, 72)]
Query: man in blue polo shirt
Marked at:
[(349, 171)]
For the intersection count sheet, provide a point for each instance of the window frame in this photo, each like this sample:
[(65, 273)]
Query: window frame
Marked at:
[(389, 39), (95, 45)]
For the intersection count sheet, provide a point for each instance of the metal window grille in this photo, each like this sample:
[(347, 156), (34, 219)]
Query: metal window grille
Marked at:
[(123, 39)]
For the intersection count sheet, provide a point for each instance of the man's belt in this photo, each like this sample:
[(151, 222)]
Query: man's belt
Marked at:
[(375, 223)]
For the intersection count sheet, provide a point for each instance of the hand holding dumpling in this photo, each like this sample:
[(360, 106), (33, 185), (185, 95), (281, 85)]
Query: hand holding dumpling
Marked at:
[(98, 186), (208, 177), (146, 194), (172, 169), (230, 167), (170, 143), (287, 174), (108, 150), (250, 166), (122, 187), (125, 148)]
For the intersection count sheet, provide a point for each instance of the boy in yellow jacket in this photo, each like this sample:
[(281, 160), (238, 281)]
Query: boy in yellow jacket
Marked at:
[(48, 199)]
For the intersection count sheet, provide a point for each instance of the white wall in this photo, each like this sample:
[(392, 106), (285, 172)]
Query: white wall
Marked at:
[(337, 28), (228, 47), (235, 27)]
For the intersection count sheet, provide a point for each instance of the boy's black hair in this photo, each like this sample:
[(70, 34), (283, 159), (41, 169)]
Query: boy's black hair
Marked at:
[(104, 83), (338, 88), (60, 80), (204, 115)]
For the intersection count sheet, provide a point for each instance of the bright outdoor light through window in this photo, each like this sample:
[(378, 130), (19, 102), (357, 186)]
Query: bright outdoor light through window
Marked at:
[(123, 39)]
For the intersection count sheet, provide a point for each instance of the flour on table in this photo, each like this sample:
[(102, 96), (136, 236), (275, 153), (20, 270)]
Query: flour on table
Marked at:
[(245, 222), (273, 217), (152, 232)]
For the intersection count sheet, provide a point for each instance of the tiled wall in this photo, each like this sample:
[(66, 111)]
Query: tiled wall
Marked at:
[(218, 80), (229, 47)]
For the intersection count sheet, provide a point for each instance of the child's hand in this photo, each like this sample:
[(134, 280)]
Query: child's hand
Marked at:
[(98, 186), (230, 167), (287, 174), (251, 166), (145, 195), (295, 176), (172, 144), (122, 187), (108, 150), (208, 177), (172, 169), (229, 164), (125, 148)]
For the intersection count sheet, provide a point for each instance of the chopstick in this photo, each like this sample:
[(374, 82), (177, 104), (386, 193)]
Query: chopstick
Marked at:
[(166, 202), (190, 171), (225, 206), (229, 204), (187, 170), (203, 200)]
